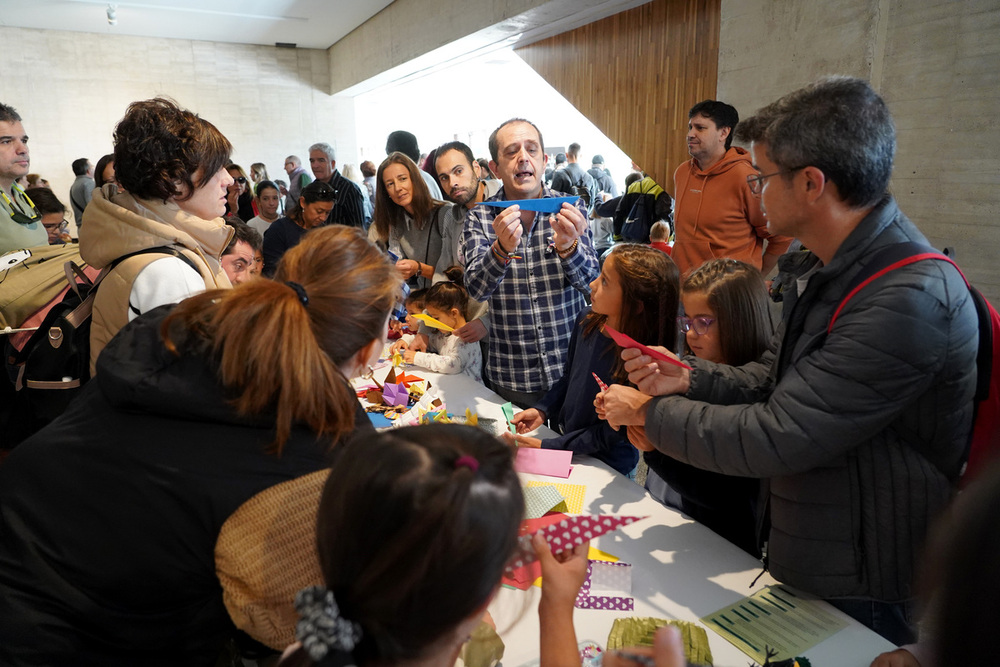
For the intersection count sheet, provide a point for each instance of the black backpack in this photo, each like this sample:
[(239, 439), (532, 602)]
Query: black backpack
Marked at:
[(54, 364)]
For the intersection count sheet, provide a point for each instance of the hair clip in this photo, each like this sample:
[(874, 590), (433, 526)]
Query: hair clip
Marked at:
[(467, 461)]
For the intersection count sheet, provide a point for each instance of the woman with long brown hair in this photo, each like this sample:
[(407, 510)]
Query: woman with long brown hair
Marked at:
[(110, 516), (410, 224), (636, 293)]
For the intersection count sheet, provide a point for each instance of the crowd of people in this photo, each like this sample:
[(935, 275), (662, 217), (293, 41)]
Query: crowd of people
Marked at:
[(234, 310)]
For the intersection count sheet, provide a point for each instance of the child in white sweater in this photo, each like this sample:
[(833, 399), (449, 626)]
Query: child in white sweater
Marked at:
[(446, 302)]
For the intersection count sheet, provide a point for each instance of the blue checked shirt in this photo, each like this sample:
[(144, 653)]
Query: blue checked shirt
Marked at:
[(534, 301)]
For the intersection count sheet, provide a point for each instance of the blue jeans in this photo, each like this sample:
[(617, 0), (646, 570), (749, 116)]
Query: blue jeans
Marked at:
[(892, 620)]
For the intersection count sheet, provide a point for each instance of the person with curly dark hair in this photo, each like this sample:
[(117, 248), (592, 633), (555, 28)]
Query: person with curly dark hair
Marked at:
[(164, 236)]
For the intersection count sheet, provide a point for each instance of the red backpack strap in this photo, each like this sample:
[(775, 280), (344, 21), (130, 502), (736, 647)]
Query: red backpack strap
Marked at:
[(886, 260)]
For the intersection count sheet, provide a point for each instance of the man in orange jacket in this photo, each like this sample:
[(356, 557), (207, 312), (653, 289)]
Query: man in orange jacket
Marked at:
[(715, 213)]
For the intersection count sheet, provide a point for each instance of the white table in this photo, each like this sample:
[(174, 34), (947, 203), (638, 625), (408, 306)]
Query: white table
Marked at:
[(680, 569)]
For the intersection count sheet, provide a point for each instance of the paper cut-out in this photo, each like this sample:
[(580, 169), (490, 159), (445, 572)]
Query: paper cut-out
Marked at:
[(539, 500), (573, 494), (551, 462), (471, 418), (608, 586), (431, 322), (630, 343), (542, 205), (395, 394), (568, 533), (397, 360)]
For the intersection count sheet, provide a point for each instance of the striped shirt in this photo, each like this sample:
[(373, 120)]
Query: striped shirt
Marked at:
[(534, 301), (349, 208)]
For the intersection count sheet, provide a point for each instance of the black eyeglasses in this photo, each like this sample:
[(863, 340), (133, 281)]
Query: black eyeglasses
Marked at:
[(756, 181), (241, 180), (16, 214), (699, 324)]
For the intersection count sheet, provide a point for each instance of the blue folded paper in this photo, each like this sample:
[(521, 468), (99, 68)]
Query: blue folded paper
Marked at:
[(542, 205)]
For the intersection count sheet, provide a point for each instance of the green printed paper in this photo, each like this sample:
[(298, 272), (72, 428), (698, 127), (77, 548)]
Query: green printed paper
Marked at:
[(639, 631), (775, 618), (541, 499), (508, 413)]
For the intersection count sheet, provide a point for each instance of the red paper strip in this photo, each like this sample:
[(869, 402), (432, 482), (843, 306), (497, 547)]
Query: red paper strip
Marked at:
[(630, 343)]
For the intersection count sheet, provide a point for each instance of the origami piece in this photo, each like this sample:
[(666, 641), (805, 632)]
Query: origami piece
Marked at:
[(433, 323), (600, 382), (395, 394), (630, 343), (543, 205), (373, 396), (397, 360), (539, 500), (568, 533), (471, 418), (508, 413), (608, 586), (403, 378), (551, 462)]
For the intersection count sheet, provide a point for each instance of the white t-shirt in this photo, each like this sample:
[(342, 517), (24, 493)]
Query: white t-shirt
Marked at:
[(163, 281)]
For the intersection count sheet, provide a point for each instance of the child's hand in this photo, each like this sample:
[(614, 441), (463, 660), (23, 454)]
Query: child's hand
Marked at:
[(667, 651), (637, 436), (409, 356), (562, 573), (521, 440), (528, 420), (398, 346), (419, 343)]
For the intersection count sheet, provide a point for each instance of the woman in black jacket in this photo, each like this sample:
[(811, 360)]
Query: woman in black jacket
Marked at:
[(109, 517)]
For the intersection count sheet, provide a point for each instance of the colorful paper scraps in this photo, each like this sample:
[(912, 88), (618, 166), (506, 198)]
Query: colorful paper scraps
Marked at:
[(508, 413), (542, 205), (608, 586), (395, 394), (539, 500), (629, 343), (551, 462), (573, 494), (639, 631), (568, 533), (403, 378), (432, 322)]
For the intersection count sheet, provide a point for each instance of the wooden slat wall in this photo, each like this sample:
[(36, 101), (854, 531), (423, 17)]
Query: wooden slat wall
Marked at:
[(636, 74)]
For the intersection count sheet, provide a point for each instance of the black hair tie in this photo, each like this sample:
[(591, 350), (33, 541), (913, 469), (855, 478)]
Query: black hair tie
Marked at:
[(300, 290)]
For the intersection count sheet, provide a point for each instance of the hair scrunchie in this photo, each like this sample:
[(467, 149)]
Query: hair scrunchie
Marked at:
[(322, 629), (300, 290)]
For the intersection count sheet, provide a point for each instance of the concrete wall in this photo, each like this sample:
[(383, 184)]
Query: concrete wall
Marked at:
[(409, 36), (74, 87), (934, 62)]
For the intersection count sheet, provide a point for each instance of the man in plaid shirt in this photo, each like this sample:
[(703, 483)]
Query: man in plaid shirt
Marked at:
[(533, 268)]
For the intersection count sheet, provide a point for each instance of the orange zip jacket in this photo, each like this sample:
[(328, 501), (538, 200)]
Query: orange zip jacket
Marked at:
[(716, 215)]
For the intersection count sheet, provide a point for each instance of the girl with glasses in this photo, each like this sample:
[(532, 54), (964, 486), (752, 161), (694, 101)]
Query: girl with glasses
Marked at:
[(726, 321)]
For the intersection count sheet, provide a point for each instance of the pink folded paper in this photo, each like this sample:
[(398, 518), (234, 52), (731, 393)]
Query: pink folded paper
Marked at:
[(568, 533), (630, 343), (551, 462)]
